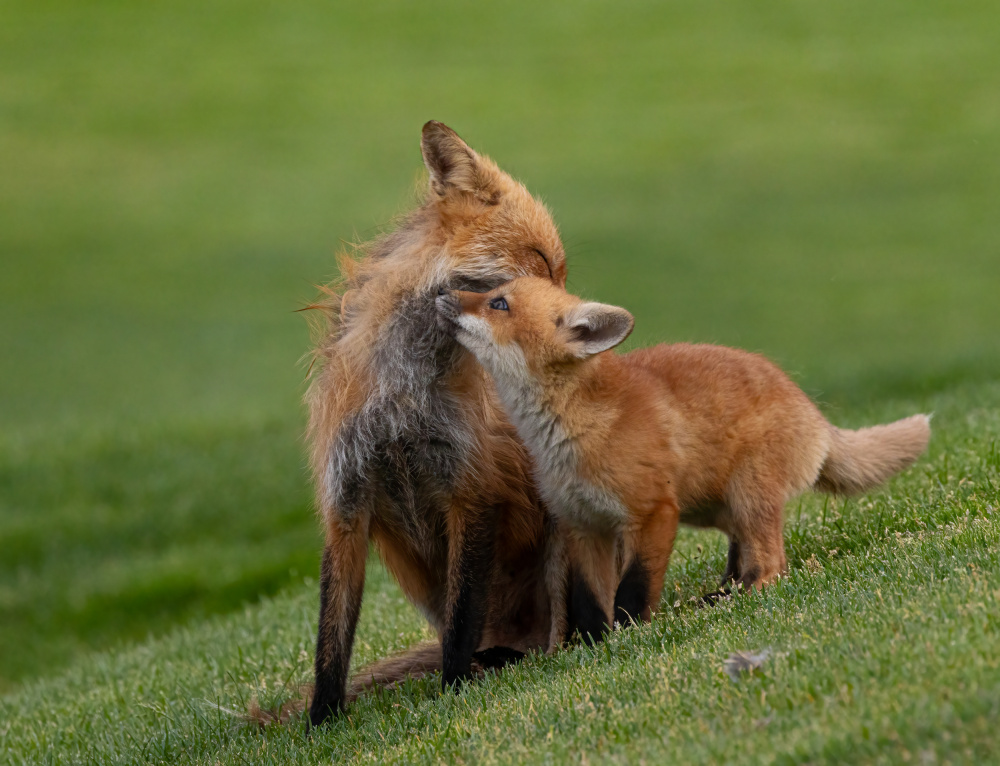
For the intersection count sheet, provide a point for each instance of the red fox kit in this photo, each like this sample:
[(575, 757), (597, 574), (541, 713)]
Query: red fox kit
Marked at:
[(626, 446)]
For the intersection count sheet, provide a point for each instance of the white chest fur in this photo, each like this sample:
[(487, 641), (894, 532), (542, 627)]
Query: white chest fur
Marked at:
[(555, 455)]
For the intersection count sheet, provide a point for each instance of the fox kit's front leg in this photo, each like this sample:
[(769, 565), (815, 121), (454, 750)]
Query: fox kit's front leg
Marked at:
[(342, 584), (648, 544), (470, 569), (593, 582), (655, 537)]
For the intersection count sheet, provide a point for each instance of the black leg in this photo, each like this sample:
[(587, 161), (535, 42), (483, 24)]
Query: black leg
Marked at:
[(732, 572), (729, 578), (342, 582), (633, 591), (585, 613), (469, 576)]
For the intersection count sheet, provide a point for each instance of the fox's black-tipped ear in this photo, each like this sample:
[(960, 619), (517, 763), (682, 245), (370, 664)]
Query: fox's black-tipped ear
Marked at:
[(596, 327), (451, 162)]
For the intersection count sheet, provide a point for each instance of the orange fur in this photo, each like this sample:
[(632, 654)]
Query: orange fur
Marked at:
[(627, 446)]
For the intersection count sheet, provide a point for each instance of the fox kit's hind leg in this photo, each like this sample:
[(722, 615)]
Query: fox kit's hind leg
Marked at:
[(730, 577), (757, 547), (342, 583), (732, 573)]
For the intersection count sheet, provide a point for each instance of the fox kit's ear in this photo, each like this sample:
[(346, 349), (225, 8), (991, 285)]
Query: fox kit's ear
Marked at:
[(596, 327), (452, 163)]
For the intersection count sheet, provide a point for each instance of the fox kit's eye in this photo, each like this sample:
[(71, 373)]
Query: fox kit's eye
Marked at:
[(500, 304)]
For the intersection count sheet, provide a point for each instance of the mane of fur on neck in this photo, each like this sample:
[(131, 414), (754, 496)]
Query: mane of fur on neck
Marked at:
[(535, 408)]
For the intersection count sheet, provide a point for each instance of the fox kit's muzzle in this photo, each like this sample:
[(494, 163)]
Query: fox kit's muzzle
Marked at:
[(448, 309)]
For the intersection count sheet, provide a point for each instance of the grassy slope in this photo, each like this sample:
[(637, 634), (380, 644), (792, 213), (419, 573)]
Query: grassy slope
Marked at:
[(808, 180), (109, 538), (884, 642), (813, 182)]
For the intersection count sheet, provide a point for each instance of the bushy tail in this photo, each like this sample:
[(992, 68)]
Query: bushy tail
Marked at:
[(863, 459), (415, 662)]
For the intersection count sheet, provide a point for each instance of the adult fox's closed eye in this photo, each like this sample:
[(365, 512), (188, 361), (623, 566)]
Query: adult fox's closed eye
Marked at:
[(627, 446)]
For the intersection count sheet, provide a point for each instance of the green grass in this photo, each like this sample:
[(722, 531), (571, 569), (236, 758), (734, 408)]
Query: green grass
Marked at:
[(809, 180), (884, 644), (111, 538)]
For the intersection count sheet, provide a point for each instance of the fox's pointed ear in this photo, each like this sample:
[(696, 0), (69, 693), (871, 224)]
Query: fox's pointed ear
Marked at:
[(596, 327), (453, 165)]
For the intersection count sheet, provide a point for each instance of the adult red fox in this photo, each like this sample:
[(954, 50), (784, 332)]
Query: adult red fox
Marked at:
[(410, 447), (626, 446)]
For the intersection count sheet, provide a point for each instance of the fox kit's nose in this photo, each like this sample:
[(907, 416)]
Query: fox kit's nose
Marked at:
[(441, 290), (448, 310), (447, 304)]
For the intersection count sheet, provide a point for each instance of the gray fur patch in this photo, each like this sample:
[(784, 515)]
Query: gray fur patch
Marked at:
[(405, 448)]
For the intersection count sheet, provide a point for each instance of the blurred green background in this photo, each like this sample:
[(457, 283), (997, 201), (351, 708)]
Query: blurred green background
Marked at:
[(815, 181)]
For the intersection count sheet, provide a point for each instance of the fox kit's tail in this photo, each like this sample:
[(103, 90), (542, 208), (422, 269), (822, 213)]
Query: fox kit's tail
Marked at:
[(863, 459)]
